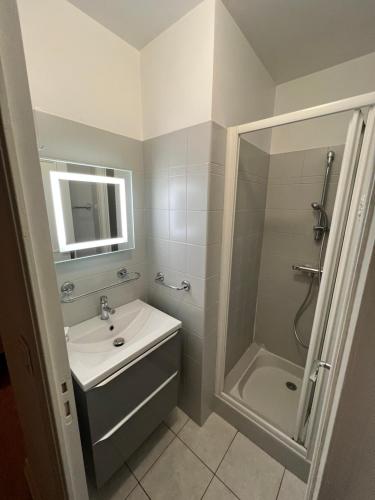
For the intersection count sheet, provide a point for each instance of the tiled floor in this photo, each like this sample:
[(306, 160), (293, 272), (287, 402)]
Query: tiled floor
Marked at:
[(182, 461)]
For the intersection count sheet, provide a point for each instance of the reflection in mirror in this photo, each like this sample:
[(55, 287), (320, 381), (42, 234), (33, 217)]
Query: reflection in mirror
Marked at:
[(90, 209)]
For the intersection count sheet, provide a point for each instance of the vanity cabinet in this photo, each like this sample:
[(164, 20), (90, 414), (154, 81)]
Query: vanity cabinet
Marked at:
[(119, 413)]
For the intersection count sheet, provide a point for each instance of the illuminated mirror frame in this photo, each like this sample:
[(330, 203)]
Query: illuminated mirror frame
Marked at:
[(55, 178)]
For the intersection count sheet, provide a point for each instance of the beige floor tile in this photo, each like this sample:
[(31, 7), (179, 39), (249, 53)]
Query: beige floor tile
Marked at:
[(178, 474), (249, 472), (209, 442), (144, 457), (118, 487), (176, 420), (218, 491), (292, 488), (137, 494)]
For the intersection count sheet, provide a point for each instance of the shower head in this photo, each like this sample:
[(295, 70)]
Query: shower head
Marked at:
[(319, 208), (330, 157)]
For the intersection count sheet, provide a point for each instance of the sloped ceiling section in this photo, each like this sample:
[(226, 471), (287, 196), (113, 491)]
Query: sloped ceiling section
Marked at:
[(136, 21), (294, 38)]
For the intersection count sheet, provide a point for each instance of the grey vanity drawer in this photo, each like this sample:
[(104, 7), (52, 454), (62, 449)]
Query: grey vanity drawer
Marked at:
[(110, 453), (114, 398)]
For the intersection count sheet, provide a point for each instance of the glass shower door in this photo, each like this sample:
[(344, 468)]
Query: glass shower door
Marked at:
[(310, 401)]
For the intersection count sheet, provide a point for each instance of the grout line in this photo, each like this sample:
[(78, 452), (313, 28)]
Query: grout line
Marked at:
[(281, 482), (205, 491), (151, 466), (177, 433), (201, 460), (145, 492), (193, 452), (226, 451), (233, 493), (136, 484)]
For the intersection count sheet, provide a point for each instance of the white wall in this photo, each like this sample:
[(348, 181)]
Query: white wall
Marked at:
[(243, 90), (353, 77), (78, 69), (177, 73)]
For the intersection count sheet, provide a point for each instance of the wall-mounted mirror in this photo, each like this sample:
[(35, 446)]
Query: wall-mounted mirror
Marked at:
[(90, 209)]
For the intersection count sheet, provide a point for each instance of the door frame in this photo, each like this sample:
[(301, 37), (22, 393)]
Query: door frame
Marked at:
[(25, 190), (358, 248), (232, 154)]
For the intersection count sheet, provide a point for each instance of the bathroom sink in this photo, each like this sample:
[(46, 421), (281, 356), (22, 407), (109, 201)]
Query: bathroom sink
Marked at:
[(97, 348)]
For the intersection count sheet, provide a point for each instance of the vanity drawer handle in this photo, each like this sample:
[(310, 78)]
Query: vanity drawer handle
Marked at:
[(133, 412), (126, 367)]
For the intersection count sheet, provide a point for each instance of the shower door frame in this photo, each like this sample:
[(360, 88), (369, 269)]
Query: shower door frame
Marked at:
[(233, 142)]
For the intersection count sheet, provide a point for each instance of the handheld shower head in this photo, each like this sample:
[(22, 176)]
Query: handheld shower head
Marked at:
[(319, 208)]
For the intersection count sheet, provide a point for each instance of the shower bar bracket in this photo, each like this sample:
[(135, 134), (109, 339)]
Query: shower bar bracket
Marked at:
[(185, 285), (306, 268), (67, 288)]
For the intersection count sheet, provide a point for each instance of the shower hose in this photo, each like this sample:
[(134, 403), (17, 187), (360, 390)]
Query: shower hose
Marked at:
[(306, 300)]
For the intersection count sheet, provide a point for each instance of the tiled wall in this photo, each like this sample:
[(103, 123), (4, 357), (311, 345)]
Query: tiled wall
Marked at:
[(295, 181), (184, 191), (247, 244), (178, 190), (67, 140)]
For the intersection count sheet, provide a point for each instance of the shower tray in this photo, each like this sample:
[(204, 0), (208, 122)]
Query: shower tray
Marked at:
[(267, 384)]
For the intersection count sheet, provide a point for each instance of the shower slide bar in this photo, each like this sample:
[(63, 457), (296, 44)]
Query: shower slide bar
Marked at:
[(185, 285), (67, 287)]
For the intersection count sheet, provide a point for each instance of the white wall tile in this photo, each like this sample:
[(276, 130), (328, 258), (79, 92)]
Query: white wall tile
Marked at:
[(197, 222), (178, 225), (157, 223), (196, 260), (177, 192), (216, 194), (177, 256), (197, 191)]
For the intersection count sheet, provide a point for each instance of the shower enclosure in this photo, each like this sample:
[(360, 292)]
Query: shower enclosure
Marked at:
[(296, 209)]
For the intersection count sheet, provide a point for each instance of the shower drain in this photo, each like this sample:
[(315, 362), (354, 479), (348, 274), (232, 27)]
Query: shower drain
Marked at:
[(291, 386)]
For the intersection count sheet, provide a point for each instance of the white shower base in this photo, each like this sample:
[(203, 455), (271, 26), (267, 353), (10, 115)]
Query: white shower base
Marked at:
[(258, 381)]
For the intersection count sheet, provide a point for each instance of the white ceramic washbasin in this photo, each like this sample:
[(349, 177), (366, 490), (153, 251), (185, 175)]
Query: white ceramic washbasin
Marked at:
[(92, 354)]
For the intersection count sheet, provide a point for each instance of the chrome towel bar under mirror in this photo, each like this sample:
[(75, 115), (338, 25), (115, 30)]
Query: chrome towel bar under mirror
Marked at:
[(68, 287), (185, 285)]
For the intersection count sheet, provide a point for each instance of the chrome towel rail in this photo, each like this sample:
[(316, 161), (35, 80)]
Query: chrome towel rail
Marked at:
[(185, 285), (68, 287)]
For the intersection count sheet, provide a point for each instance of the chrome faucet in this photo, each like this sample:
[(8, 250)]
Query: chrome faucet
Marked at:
[(105, 309)]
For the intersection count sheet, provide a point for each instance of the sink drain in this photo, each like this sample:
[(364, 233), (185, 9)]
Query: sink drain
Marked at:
[(118, 342), (291, 386)]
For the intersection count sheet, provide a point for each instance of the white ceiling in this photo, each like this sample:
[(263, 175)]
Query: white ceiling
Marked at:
[(292, 37), (297, 37), (136, 21)]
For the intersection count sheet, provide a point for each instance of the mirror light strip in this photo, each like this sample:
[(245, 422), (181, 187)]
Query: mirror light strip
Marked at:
[(56, 177)]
